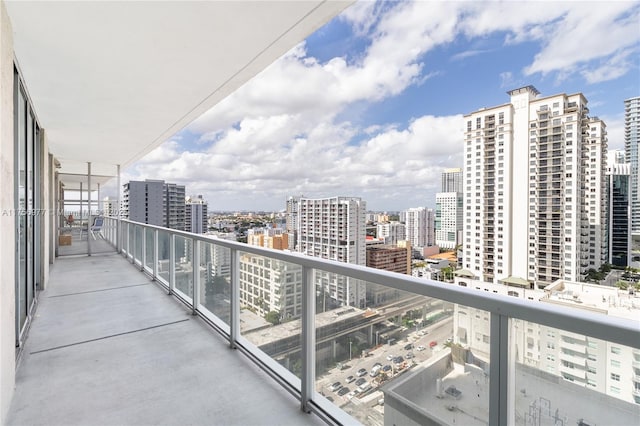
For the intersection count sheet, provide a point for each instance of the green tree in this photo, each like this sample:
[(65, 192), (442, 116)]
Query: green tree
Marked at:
[(594, 276), (447, 273), (605, 268), (622, 285), (273, 317)]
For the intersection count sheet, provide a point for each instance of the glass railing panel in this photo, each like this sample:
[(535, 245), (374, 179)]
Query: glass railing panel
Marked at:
[(139, 234), (184, 267), (215, 280), (429, 356), (564, 378), (129, 239), (164, 257), (271, 307), (148, 253)]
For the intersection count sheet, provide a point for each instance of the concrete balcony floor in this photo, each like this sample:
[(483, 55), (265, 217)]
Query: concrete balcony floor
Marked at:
[(109, 347)]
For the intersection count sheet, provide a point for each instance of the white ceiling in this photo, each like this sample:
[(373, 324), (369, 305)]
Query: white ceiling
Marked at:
[(110, 81)]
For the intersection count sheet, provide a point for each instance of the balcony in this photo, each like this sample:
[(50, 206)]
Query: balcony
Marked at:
[(107, 335), (109, 347)]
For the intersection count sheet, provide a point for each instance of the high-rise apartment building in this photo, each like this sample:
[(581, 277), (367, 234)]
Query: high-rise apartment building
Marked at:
[(452, 180), (535, 189), (156, 203), (619, 180), (448, 219), (144, 201), (420, 227), (334, 228), (449, 215), (270, 285), (196, 219), (391, 232), (174, 205), (595, 364), (291, 221), (631, 141)]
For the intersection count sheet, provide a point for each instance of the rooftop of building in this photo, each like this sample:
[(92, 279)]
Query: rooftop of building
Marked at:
[(607, 300), (463, 397), (451, 256)]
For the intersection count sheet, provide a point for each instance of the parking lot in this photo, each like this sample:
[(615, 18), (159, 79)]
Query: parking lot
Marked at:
[(356, 379)]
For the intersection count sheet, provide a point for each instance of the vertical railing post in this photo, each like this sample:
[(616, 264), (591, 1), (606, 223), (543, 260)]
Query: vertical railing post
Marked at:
[(155, 255), (195, 264), (143, 252), (133, 237), (308, 338), (499, 370), (234, 321), (172, 262), (119, 214), (127, 239), (89, 215)]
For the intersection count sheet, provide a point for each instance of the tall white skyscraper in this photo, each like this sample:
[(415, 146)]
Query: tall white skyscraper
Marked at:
[(449, 215), (631, 141), (534, 189), (334, 228), (420, 226), (448, 219), (291, 221)]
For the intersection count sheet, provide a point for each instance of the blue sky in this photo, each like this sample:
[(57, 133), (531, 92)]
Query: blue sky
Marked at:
[(371, 105)]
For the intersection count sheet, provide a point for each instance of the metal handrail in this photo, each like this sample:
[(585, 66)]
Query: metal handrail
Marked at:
[(617, 330), (502, 308)]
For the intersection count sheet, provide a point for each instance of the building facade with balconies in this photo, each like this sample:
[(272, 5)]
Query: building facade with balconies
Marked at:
[(550, 222)]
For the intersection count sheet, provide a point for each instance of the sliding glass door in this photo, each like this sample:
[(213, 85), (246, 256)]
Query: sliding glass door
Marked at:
[(28, 216)]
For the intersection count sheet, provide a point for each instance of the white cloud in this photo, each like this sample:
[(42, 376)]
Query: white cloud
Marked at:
[(396, 164), (468, 54), (595, 31), (617, 66), (285, 131), (506, 79)]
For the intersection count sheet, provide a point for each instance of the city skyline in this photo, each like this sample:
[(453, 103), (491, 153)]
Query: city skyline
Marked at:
[(372, 104)]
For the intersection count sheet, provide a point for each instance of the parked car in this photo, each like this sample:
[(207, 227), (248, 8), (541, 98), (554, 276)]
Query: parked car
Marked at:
[(420, 348), (360, 381), (390, 357), (409, 355), (349, 379), (386, 368), (343, 391), (334, 387), (365, 388), (361, 372), (375, 370), (433, 343), (353, 393), (408, 347)]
